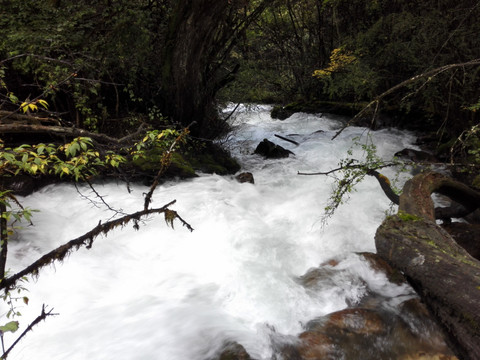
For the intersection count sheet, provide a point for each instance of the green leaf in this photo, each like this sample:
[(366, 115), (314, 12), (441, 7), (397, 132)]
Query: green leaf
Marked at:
[(11, 326)]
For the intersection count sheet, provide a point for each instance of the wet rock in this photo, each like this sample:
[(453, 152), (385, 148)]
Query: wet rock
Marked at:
[(24, 185), (358, 333), (281, 113), (20, 185), (416, 155), (316, 275), (271, 150), (380, 265), (372, 328), (245, 177), (211, 158), (233, 351)]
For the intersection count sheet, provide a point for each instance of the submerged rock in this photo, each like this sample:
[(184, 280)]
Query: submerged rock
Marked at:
[(245, 177), (233, 351), (370, 329), (359, 333)]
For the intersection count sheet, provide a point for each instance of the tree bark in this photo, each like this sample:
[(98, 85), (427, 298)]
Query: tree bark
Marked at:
[(444, 274), (200, 35)]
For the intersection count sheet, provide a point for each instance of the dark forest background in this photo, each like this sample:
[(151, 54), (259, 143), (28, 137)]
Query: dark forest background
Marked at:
[(107, 65)]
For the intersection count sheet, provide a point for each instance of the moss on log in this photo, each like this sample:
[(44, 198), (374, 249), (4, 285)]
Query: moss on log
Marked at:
[(444, 274)]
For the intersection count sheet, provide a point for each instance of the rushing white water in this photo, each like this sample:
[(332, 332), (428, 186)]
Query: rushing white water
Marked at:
[(160, 293)]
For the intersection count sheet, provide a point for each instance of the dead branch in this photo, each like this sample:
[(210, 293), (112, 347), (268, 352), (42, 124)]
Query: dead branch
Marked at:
[(286, 139), (350, 165), (466, 198), (26, 119), (85, 240), (44, 314), (65, 131), (427, 74)]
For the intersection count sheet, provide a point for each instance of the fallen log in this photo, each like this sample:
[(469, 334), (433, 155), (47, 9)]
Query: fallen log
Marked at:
[(60, 131), (8, 117), (287, 139), (443, 273)]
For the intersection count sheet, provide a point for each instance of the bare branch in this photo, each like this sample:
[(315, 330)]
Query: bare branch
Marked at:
[(286, 139), (350, 165), (44, 314), (427, 74), (85, 240)]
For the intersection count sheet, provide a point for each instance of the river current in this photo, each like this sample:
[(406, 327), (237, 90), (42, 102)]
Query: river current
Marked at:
[(163, 293)]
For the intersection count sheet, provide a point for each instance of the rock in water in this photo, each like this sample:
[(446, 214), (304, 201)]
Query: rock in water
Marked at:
[(271, 150), (245, 177)]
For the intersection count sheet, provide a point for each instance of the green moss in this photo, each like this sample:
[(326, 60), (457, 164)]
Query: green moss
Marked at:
[(408, 217), (471, 322), (210, 158), (152, 163), (180, 167), (476, 182)]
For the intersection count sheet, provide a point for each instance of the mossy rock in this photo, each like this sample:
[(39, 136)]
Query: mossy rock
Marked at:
[(205, 157), (210, 158), (179, 167), (152, 163)]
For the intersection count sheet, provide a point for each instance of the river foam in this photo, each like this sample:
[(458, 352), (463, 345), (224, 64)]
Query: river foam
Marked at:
[(162, 293)]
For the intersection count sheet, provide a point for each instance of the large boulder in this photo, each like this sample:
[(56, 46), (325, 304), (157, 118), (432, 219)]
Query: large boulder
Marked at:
[(362, 333), (371, 328)]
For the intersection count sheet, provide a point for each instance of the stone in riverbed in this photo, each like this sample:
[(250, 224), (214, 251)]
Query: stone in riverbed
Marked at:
[(371, 328), (245, 177), (271, 150), (364, 334), (233, 351)]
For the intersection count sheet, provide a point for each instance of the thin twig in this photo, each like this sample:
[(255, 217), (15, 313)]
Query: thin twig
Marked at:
[(286, 139), (121, 212), (39, 318), (428, 74)]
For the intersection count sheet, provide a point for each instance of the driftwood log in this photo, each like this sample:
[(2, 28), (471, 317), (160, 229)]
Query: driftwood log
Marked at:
[(443, 273)]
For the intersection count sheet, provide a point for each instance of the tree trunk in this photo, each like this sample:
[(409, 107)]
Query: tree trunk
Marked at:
[(444, 274), (200, 35)]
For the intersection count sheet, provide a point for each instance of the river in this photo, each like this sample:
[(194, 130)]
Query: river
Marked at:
[(163, 293)]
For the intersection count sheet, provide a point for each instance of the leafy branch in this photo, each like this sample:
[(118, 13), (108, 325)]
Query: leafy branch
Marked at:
[(352, 172)]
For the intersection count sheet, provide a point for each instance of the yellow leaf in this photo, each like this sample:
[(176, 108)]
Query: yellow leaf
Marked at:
[(65, 170), (24, 106), (43, 103), (34, 168)]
